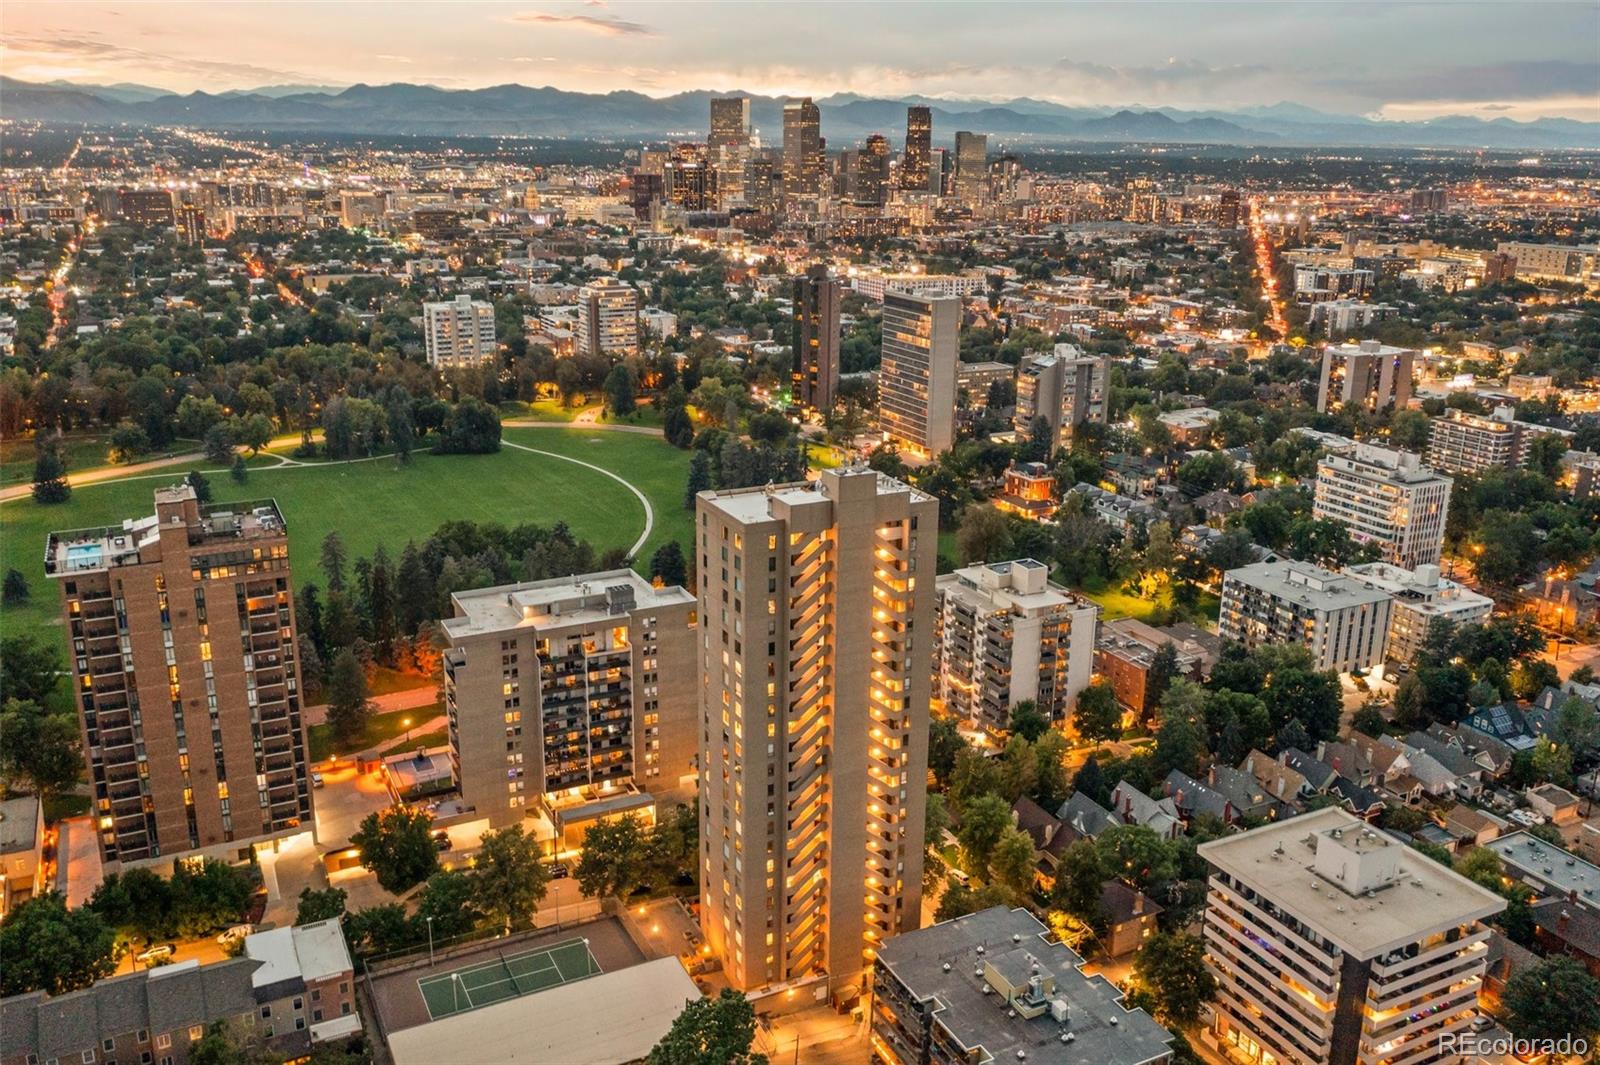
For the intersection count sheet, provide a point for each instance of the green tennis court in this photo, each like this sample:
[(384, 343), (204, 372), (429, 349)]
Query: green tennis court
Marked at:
[(508, 976)]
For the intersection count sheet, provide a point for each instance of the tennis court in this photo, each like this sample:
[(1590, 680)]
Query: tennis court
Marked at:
[(507, 976)]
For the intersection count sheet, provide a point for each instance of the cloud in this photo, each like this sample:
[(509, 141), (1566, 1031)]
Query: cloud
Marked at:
[(393, 58), (1491, 82), (604, 25), (1185, 75), (89, 48)]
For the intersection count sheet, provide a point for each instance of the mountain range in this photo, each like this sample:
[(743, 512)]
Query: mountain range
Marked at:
[(402, 108)]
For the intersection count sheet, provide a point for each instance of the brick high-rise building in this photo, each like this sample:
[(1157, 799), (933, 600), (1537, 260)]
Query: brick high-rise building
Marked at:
[(816, 637), (187, 683), (816, 338)]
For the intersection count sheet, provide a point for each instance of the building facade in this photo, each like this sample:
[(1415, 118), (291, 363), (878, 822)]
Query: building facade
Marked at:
[(1005, 632), (1463, 442), (1335, 944), (917, 374), (186, 678), (1420, 595), (1066, 388), (1368, 374), (915, 162), (802, 148), (1343, 622), (459, 332), (816, 622), (816, 339), (608, 319), (575, 694), (1387, 498), (972, 168)]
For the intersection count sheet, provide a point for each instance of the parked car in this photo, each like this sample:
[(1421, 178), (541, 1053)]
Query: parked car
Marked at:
[(158, 953), (557, 871), (238, 931), (1482, 1022), (316, 780)]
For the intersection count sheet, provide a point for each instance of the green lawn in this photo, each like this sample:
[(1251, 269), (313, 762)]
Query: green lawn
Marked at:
[(1115, 603), (382, 502), (17, 453), (380, 727), (543, 410), (382, 680)]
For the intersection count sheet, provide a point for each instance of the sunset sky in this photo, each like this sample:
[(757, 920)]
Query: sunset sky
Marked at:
[(1397, 60)]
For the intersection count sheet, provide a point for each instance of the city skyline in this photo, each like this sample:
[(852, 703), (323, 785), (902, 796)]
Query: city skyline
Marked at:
[(1400, 62)]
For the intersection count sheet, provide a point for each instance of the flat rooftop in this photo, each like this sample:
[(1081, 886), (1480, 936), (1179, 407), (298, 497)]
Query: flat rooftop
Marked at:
[(1564, 871), (1279, 862), (1104, 1032), (1311, 585), (584, 599), (750, 505), (85, 550)]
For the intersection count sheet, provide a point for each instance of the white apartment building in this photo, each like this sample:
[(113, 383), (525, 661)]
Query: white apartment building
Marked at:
[(1367, 374), (816, 639), (608, 319), (1388, 498), (875, 286), (575, 694), (1007, 633), (1065, 388), (1420, 595), (917, 376), (1344, 622), (459, 332), (1334, 943)]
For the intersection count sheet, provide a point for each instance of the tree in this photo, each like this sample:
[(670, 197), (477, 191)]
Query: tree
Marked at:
[(52, 949), (1136, 856), (509, 879), (1482, 866), (1091, 780), (30, 668), (1163, 668), (984, 535), (218, 445), (944, 744), (239, 471), (333, 561), (711, 1031), (379, 929), (1552, 1000), (1027, 720), (1577, 725), (1098, 716), (397, 845), (1181, 739), (1369, 720), (1050, 786), (50, 477), (983, 821), (348, 706), (254, 432), (1080, 875), (1012, 863), (41, 752), (699, 478), (450, 897), (1173, 968), (620, 391), (668, 565), (613, 854), (1551, 762), (16, 588), (219, 1047), (128, 442), (323, 905), (202, 487), (472, 428)]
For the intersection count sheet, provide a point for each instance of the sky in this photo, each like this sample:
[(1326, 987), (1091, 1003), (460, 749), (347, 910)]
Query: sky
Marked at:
[(1397, 60)]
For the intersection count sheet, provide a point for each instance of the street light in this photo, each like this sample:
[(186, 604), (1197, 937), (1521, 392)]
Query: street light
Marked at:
[(430, 942)]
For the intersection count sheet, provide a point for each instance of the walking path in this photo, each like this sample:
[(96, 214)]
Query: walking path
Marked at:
[(649, 511), (579, 423), (391, 702)]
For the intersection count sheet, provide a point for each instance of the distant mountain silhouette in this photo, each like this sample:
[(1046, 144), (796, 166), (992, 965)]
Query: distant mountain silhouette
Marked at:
[(519, 109)]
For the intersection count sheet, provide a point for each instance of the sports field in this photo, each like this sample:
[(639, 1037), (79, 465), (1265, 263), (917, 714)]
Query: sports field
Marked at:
[(509, 976)]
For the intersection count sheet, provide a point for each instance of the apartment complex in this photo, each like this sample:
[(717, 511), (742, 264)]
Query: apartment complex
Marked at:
[(1554, 262), (1463, 442), (1420, 595), (1368, 374), (1065, 388), (1335, 944), (458, 332), (608, 319), (1344, 622), (185, 675), (917, 377), (1388, 498), (575, 694), (996, 986), (815, 654), (816, 339), (291, 989), (1006, 633)]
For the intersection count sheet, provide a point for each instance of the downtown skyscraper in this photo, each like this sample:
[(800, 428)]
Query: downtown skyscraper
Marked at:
[(919, 149), (802, 148), (729, 145), (816, 636)]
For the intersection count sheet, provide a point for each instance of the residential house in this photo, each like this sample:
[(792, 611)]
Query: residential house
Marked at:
[(1359, 799), (1558, 804), (1084, 816), (1245, 794), (1470, 826), (1283, 783), (1193, 799), (1130, 918), (21, 851), (1561, 927), (1318, 775), (1134, 807)]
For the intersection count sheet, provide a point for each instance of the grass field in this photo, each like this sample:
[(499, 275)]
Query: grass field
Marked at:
[(1115, 603), (17, 454), (380, 727), (382, 502)]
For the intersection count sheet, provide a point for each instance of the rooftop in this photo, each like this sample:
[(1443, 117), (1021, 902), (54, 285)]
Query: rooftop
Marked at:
[(963, 963), (1382, 464), (1308, 584), (1562, 870), (584, 599), (81, 550), (1022, 586), (1403, 897), (19, 824), (751, 505)]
